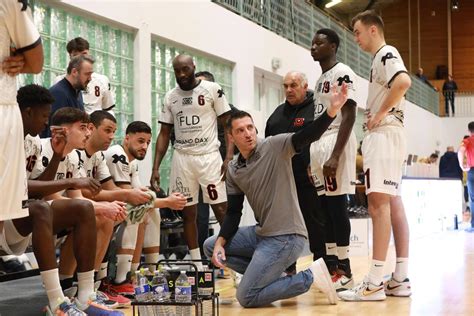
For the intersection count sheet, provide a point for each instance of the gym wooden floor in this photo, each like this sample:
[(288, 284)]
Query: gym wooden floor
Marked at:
[(441, 274)]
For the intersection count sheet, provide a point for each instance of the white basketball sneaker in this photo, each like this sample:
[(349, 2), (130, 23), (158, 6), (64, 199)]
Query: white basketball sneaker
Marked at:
[(396, 288), (342, 283), (322, 280), (365, 291)]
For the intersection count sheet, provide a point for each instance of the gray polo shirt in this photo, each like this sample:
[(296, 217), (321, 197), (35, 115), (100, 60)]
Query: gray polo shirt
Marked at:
[(266, 178)]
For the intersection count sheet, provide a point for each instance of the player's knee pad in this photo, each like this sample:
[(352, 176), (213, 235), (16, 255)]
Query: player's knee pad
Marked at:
[(127, 236), (152, 230)]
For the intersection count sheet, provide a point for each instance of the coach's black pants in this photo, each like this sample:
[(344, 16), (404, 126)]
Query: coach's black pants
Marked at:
[(314, 219)]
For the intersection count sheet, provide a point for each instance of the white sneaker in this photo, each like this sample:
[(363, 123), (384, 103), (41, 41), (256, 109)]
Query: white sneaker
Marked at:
[(342, 282), (64, 308), (365, 291), (322, 280), (236, 278), (396, 288)]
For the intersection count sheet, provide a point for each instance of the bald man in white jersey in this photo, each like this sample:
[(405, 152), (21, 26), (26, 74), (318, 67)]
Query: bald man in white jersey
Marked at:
[(193, 108)]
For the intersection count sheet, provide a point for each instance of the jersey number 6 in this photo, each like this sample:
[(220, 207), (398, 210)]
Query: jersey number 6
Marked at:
[(201, 100), (212, 192)]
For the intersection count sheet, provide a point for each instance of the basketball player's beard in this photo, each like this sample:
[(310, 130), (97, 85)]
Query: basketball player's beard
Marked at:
[(135, 154)]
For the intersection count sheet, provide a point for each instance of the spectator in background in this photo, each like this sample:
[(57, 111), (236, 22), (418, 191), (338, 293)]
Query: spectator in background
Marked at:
[(432, 159), (449, 166), (423, 78), (464, 183), (449, 89), (466, 162)]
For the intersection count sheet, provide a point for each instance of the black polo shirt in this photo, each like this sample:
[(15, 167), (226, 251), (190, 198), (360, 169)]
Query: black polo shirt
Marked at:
[(64, 96), (289, 119)]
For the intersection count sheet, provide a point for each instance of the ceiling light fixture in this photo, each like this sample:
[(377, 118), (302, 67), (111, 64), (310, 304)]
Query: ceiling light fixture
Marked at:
[(332, 3)]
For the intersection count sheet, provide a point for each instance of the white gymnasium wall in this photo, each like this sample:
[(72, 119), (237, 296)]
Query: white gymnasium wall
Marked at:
[(423, 130), (206, 27), (454, 129)]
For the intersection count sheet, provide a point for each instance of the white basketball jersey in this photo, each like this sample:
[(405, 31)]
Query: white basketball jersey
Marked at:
[(97, 95), (93, 166), (32, 153), (386, 65), (194, 116), (67, 168), (16, 30), (337, 75), (121, 169)]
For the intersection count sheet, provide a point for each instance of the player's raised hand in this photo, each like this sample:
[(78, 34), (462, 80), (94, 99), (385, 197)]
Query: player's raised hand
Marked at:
[(155, 180), (338, 99), (176, 201), (58, 140)]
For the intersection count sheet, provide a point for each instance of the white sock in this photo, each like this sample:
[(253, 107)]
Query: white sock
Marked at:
[(196, 255), (376, 272), (85, 286), (401, 269), (342, 253), (331, 249), (53, 288), (152, 258), (102, 273), (124, 263)]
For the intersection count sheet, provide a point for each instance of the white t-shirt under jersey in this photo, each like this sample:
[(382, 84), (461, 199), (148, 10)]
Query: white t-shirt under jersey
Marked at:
[(194, 116), (338, 74), (97, 95), (121, 169), (67, 168), (93, 166), (18, 30), (386, 65)]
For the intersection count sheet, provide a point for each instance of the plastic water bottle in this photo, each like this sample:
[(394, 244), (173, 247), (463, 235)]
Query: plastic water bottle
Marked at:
[(141, 287), (205, 293), (183, 294), (161, 293)]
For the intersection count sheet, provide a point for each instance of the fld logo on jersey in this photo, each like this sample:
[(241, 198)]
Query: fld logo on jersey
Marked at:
[(189, 120), (186, 120)]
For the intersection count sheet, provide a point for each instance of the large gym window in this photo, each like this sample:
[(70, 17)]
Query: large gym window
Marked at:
[(163, 80), (111, 47)]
